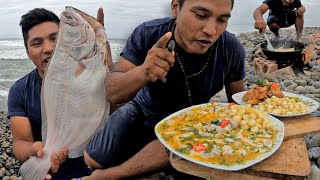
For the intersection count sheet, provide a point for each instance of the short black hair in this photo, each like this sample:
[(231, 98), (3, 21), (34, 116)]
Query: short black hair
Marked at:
[(182, 1), (35, 17)]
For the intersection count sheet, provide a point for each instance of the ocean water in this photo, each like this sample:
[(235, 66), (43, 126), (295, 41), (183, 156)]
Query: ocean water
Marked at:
[(14, 64)]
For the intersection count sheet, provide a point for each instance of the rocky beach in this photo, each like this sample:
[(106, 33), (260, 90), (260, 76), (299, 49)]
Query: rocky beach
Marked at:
[(305, 82)]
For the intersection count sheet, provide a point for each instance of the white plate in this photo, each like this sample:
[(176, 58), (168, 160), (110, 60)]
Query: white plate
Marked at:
[(314, 104), (236, 167)]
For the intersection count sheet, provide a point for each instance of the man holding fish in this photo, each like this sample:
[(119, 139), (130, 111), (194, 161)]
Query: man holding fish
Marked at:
[(157, 82), (282, 14), (40, 28)]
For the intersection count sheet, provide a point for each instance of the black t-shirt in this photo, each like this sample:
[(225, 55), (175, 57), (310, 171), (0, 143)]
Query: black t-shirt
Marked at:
[(278, 9), (226, 65)]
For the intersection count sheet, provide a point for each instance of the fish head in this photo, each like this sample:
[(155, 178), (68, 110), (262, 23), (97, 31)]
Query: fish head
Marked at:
[(81, 34)]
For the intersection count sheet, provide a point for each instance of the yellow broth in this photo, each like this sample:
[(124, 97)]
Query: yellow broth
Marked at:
[(225, 147)]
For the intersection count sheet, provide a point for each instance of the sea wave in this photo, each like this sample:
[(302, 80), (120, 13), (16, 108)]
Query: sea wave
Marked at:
[(14, 49)]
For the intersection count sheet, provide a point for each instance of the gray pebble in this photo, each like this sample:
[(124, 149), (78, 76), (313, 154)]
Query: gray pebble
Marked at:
[(287, 82), (3, 157), (7, 173), (309, 88), (316, 139), (310, 135), (308, 143), (11, 171), (310, 155), (316, 95), (252, 78), (316, 78), (315, 151), (301, 82), (315, 173), (296, 92), (169, 178), (316, 113), (315, 91), (316, 85), (7, 166), (6, 178), (13, 178), (287, 90)]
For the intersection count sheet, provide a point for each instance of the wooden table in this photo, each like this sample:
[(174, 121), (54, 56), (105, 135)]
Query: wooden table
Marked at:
[(290, 161)]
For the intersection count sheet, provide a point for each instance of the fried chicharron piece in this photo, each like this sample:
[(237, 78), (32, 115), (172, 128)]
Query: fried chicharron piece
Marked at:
[(261, 92)]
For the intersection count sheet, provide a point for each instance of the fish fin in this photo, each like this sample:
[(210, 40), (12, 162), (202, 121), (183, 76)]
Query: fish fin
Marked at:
[(43, 117), (35, 168), (80, 68), (108, 56), (77, 152)]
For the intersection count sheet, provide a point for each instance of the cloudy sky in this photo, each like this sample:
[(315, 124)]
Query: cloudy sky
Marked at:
[(122, 16)]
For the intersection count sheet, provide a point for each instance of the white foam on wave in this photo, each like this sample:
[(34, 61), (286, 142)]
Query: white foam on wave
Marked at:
[(12, 43), (14, 49), (8, 80), (4, 93)]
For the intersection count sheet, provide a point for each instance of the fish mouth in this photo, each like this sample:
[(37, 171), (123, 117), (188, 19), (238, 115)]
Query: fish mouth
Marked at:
[(46, 60)]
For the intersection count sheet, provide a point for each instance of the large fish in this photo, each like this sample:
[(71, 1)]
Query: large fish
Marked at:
[(73, 100)]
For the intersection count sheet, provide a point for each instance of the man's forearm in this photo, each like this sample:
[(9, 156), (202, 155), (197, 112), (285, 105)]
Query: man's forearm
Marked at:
[(151, 158), (22, 149), (257, 14), (122, 87)]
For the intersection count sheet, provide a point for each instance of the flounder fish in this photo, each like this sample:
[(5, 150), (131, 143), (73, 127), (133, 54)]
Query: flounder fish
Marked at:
[(73, 103)]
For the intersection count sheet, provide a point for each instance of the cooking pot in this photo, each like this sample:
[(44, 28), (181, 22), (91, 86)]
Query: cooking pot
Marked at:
[(284, 59)]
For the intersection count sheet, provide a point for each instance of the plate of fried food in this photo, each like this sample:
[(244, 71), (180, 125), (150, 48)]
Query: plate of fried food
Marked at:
[(221, 136), (267, 96)]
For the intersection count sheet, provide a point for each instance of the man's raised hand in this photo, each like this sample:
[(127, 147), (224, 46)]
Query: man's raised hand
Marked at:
[(158, 60)]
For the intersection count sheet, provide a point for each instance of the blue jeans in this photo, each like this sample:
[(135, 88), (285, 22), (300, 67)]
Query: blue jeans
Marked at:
[(124, 134), (281, 21)]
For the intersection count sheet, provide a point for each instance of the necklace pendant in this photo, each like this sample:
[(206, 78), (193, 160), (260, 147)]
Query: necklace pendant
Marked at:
[(286, 22)]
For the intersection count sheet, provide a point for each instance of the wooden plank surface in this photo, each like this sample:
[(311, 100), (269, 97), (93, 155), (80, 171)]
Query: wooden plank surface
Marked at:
[(209, 173), (300, 126), (289, 161)]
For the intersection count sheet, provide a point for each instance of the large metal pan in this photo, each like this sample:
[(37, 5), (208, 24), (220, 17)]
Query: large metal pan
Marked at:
[(284, 58)]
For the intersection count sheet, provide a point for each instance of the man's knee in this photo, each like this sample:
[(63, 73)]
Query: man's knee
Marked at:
[(90, 162), (274, 27)]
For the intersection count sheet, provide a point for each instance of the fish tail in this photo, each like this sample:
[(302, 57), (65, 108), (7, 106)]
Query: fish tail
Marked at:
[(35, 168)]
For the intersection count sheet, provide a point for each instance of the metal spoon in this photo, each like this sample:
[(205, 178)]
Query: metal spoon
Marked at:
[(269, 45)]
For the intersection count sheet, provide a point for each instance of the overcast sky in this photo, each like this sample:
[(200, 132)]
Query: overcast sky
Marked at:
[(122, 16)]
